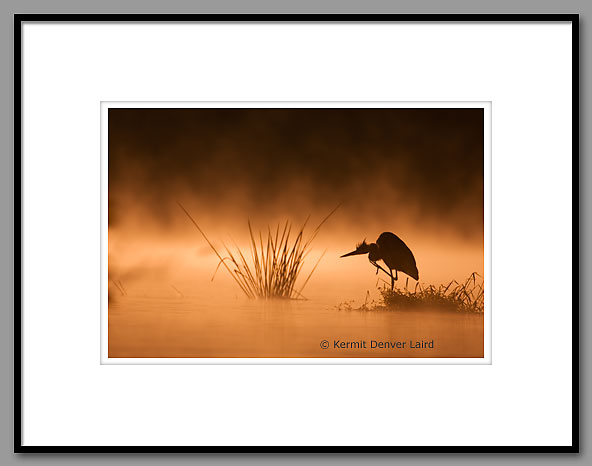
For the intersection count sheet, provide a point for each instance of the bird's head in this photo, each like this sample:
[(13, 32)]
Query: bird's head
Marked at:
[(361, 248)]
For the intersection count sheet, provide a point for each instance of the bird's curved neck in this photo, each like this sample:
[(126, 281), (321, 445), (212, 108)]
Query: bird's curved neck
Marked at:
[(374, 253)]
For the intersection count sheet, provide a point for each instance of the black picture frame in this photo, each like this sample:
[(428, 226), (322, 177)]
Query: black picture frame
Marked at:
[(19, 19)]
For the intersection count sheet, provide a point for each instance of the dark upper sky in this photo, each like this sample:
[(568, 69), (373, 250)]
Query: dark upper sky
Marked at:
[(431, 159)]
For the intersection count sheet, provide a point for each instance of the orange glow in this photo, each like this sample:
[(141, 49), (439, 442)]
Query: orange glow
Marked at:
[(162, 299)]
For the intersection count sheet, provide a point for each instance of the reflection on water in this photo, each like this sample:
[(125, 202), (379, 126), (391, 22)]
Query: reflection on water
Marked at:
[(239, 328)]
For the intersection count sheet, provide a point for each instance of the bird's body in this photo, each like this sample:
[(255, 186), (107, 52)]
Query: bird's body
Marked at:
[(396, 255), (393, 252)]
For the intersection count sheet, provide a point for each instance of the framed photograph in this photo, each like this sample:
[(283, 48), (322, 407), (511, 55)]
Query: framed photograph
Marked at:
[(235, 230), (287, 192)]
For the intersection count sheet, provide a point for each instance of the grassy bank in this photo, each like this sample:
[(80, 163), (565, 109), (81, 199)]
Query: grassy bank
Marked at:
[(467, 296)]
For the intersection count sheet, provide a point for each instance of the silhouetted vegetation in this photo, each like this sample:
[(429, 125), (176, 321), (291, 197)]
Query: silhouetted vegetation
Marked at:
[(467, 296), (275, 262)]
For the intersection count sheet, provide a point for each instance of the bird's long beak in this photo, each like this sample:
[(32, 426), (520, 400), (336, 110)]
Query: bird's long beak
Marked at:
[(353, 253)]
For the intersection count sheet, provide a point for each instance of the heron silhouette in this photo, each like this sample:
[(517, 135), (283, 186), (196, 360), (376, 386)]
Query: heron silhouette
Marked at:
[(393, 252)]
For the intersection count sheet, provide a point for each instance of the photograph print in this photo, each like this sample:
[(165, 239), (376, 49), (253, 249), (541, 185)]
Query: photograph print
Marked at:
[(255, 233)]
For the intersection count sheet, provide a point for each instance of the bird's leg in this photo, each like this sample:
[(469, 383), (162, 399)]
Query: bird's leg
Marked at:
[(378, 267), (375, 265), (396, 275), (392, 280)]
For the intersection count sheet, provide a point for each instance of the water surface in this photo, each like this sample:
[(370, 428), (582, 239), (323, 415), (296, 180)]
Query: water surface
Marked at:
[(191, 327)]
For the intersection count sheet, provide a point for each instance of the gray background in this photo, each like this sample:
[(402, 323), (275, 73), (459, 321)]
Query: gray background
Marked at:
[(8, 7)]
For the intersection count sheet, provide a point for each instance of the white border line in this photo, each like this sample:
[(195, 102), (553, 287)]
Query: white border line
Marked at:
[(487, 169)]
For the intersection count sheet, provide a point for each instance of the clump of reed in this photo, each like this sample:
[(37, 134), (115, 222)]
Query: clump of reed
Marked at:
[(119, 287), (467, 296), (276, 260)]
